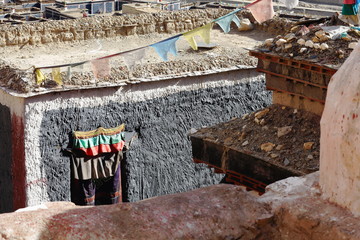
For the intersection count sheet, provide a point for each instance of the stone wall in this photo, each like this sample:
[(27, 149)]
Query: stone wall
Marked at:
[(160, 112), (105, 27)]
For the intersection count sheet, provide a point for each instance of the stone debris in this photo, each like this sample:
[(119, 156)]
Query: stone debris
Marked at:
[(352, 45), (279, 147), (308, 145), (245, 25), (300, 41), (283, 131), (269, 41), (322, 41), (280, 42), (261, 113), (267, 147)]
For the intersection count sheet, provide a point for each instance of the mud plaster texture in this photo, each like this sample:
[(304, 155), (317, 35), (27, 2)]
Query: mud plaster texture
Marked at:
[(161, 113)]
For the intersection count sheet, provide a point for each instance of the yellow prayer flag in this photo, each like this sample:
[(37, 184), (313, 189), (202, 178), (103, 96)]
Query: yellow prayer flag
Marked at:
[(56, 75), (203, 32), (39, 76)]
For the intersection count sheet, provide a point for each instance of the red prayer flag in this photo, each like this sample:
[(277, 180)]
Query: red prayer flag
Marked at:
[(349, 2), (262, 10), (101, 68)]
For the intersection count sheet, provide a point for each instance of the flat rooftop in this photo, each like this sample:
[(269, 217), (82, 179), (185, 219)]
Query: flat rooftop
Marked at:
[(231, 50)]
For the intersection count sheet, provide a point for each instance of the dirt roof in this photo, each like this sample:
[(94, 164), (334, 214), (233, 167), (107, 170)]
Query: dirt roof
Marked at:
[(18, 62)]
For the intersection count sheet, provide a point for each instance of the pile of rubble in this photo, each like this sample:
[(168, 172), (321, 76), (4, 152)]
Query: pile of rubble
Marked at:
[(326, 43)]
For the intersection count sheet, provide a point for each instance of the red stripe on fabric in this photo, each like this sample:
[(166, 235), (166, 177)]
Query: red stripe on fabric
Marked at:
[(18, 171), (103, 148)]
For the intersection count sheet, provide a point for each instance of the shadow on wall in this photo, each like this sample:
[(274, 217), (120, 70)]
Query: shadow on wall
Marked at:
[(6, 182), (160, 161)]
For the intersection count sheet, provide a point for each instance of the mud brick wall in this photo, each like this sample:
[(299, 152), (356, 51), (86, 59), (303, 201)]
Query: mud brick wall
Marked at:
[(106, 27)]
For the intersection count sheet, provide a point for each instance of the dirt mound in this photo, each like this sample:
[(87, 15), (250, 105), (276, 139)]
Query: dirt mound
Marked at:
[(281, 135)]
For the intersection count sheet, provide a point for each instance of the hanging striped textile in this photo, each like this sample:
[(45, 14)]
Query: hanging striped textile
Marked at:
[(100, 140)]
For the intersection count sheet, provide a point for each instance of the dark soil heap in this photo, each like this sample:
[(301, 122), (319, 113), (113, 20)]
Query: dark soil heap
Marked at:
[(280, 135)]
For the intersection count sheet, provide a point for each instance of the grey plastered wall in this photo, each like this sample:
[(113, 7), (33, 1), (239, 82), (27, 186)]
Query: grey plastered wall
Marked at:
[(160, 112), (6, 184)]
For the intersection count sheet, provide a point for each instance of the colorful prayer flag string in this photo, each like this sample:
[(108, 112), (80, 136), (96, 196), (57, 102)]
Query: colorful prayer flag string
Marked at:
[(262, 10)]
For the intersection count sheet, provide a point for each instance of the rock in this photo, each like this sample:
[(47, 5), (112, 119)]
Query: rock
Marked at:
[(352, 45), (317, 46), (244, 116), (308, 145), (302, 50), (262, 122), (243, 136), (341, 53), (245, 25), (304, 30), (256, 120), (245, 143), (286, 162), (287, 46), (262, 113), (295, 111), (310, 157), (279, 147), (301, 41), (238, 214), (290, 36), (273, 155), (309, 43), (280, 42), (320, 33), (315, 39), (267, 147), (283, 131), (324, 38), (324, 46), (268, 42)]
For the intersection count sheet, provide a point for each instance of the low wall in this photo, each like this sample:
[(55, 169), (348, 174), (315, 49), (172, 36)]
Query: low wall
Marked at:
[(161, 112), (104, 27)]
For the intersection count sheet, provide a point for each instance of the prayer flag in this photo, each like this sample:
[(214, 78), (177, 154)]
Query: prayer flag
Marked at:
[(40, 77), (203, 32), (101, 68), (262, 10), (290, 4), (56, 75), (131, 58), (169, 45), (349, 1), (68, 73), (224, 22)]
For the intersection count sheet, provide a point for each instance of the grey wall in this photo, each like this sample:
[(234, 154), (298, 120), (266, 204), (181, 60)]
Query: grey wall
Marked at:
[(160, 161), (6, 184)]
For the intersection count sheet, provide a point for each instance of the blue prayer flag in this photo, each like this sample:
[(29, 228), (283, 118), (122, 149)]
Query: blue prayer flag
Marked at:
[(224, 22), (165, 46)]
